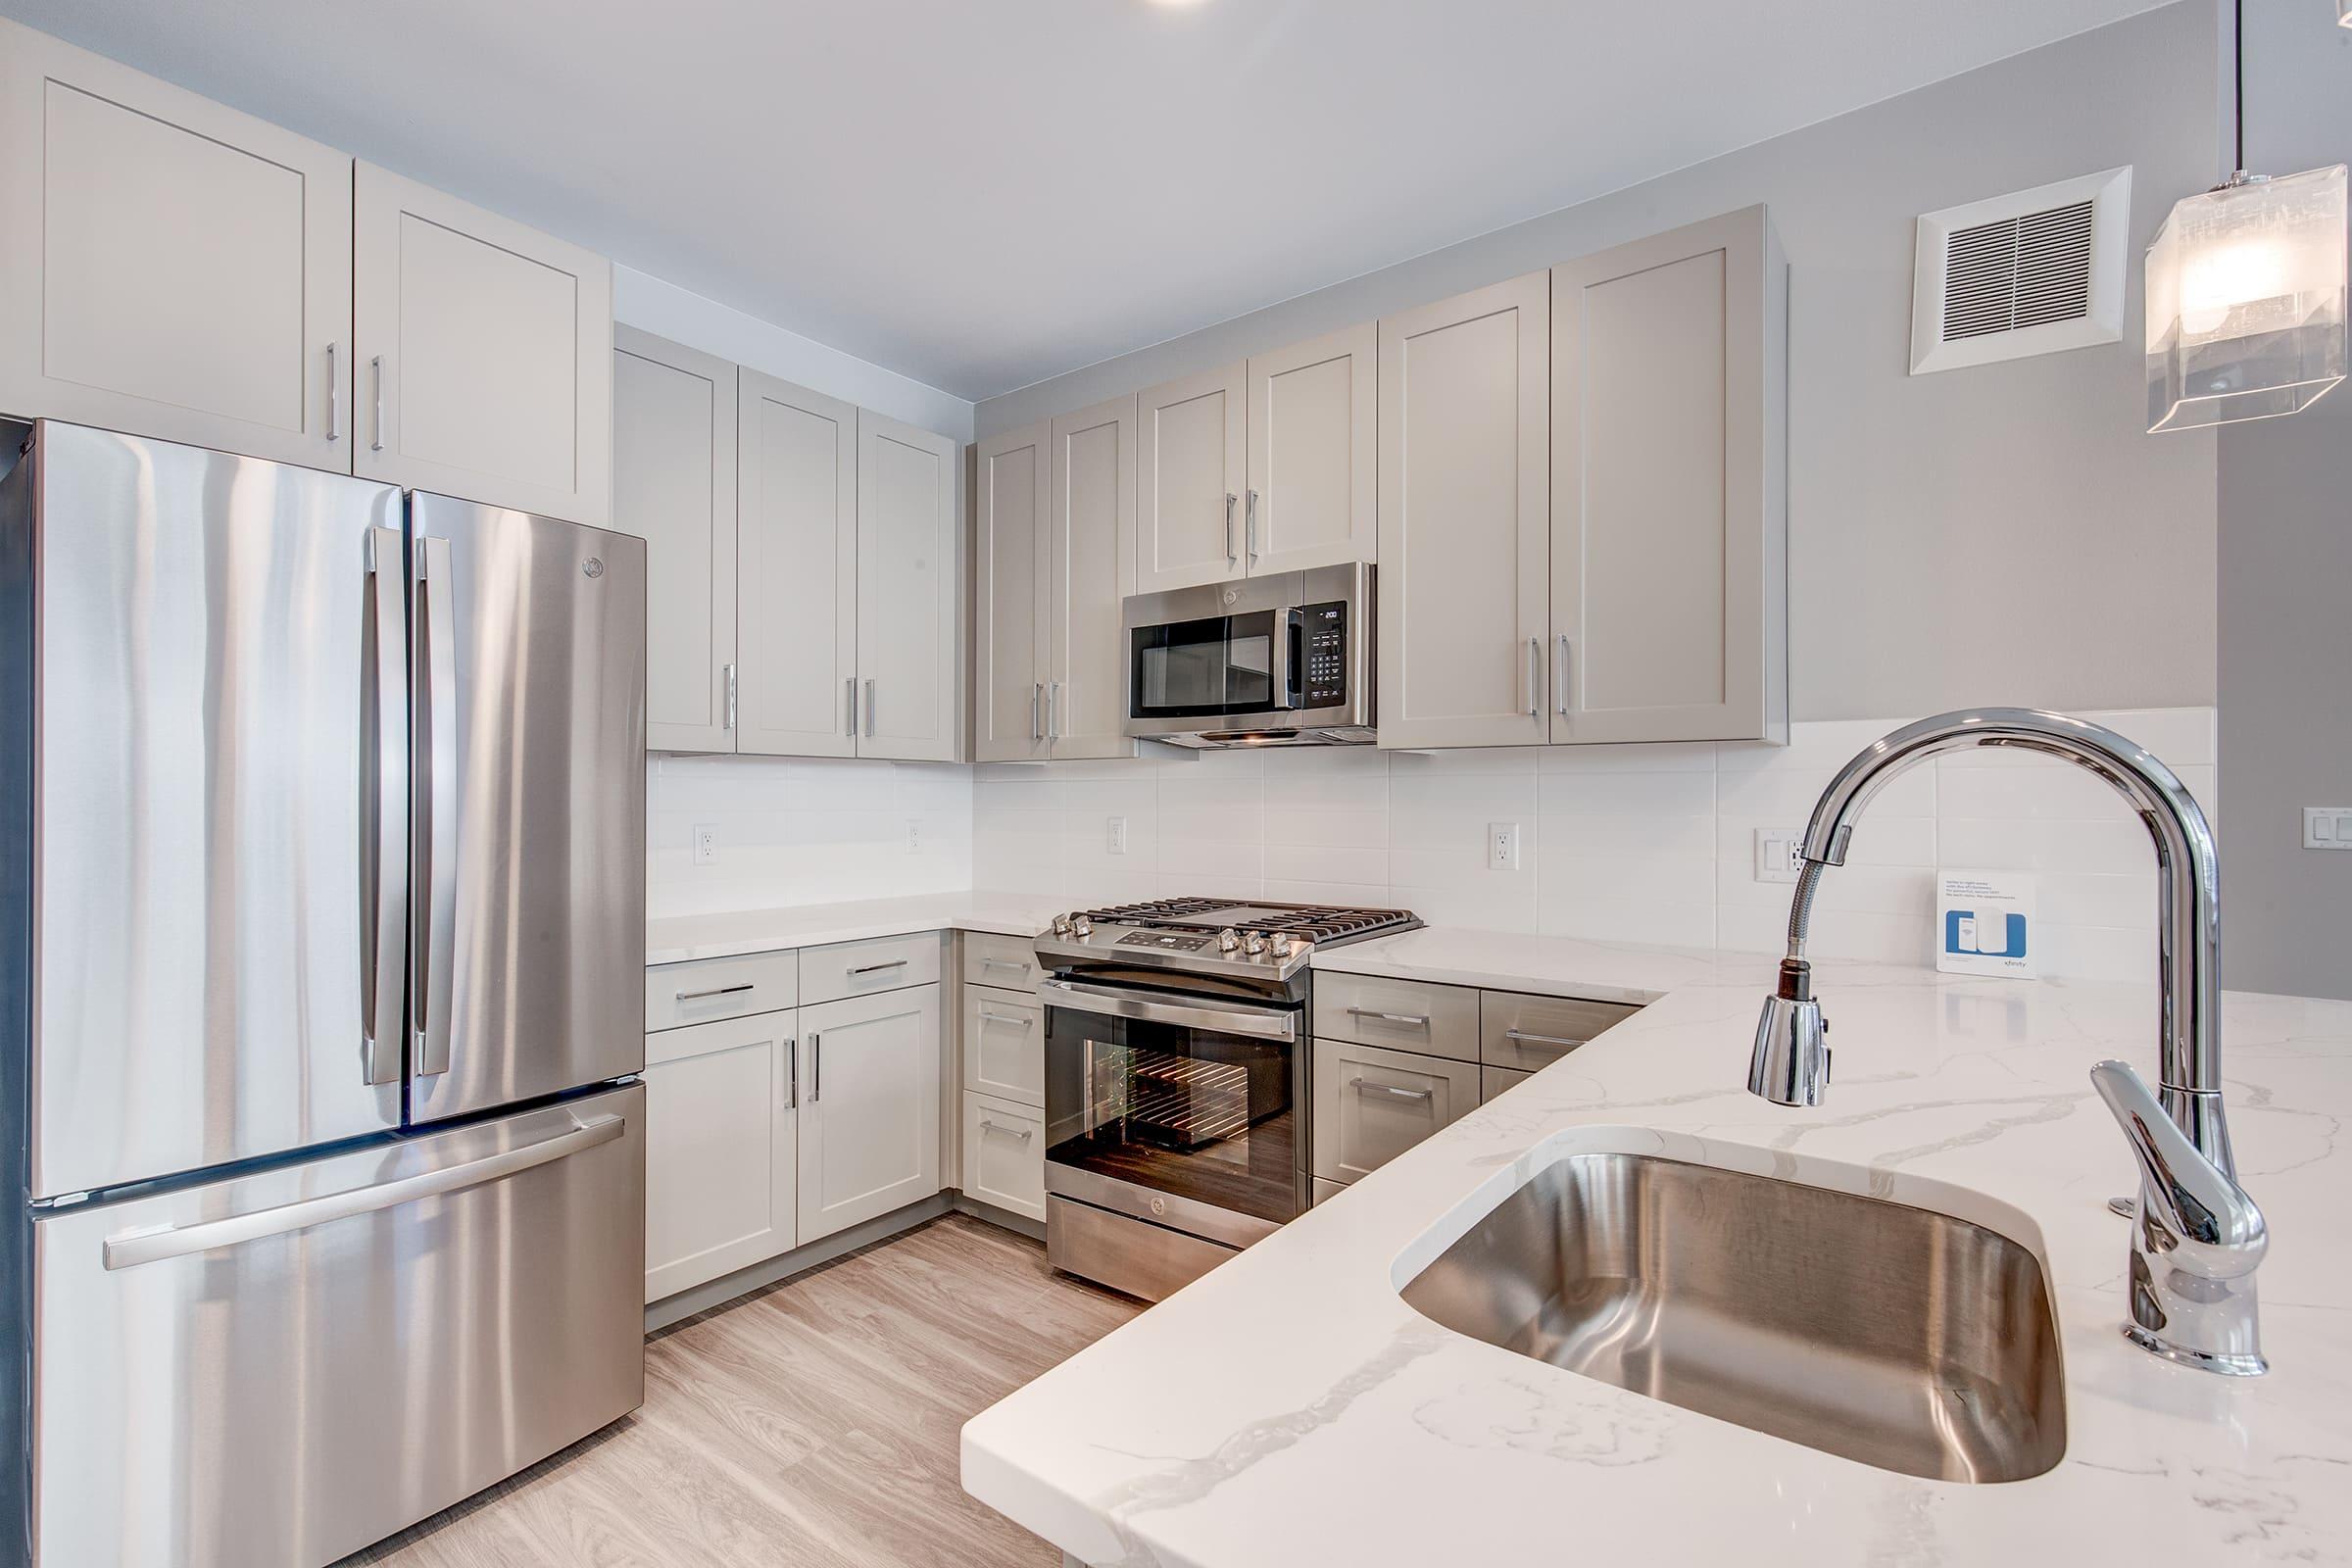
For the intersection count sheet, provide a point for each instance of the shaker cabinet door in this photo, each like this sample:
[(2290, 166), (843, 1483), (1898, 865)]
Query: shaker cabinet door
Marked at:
[(869, 1107), (910, 616), (1668, 535), (1091, 542), (1313, 453), (796, 571), (1464, 519), (484, 354), (1190, 471), (1011, 643), (720, 1163), (673, 486), (168, 267)]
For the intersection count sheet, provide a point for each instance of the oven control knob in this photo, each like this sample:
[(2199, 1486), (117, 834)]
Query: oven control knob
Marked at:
[(1283, 945), (1228, 940), (1081, 928), (1254, 944), (1061, 925)]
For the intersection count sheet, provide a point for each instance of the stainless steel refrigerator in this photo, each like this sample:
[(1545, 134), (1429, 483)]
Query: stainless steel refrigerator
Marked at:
[(322, 1001)]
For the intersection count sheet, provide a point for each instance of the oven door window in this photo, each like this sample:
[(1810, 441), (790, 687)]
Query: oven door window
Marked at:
[(1174, 1109), (1226, 665)]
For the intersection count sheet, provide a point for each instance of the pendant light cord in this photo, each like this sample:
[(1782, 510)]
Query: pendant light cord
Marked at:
[(2237, 49)]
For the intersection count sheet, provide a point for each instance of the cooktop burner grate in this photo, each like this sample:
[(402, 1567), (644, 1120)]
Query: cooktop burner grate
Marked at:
[(1324, 924)]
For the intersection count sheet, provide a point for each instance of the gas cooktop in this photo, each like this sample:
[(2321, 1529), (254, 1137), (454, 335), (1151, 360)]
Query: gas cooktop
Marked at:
[(1229, 938)]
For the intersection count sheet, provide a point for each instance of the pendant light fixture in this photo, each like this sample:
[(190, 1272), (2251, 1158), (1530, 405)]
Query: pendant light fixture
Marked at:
[(2245, 292)]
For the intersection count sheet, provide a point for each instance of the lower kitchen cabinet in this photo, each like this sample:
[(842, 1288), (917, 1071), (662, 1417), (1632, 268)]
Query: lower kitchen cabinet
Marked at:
[(1372, 1104), (1005, 1154), (1496, 1082), (720, 1166), (869, 1107)]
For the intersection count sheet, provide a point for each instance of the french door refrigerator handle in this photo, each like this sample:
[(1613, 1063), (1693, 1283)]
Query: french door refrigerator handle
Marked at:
[(437, 872), (387, 869), (134, 1248)]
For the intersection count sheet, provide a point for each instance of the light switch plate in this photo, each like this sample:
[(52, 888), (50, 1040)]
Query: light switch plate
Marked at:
[(1503, 846), (1780, 854), (705, 843), (2327, 827)]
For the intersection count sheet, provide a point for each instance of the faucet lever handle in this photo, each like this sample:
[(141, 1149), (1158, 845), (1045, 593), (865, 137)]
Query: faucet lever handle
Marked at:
[(2217, 1230)]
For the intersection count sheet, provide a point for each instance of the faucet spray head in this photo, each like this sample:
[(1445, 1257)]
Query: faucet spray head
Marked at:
[(1790, 1065)]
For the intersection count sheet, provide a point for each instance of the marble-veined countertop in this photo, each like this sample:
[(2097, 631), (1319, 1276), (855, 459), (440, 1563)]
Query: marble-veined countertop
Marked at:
[(1289, 1408)]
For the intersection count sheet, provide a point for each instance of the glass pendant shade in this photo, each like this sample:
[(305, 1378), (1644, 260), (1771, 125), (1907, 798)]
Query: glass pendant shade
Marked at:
[(2245, 291)]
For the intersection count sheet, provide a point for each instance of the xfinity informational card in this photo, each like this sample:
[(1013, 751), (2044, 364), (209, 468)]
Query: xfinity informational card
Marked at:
[(1985, 921)]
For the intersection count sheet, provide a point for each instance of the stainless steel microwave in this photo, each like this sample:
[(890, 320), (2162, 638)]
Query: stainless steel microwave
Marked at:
[(1284, 659)]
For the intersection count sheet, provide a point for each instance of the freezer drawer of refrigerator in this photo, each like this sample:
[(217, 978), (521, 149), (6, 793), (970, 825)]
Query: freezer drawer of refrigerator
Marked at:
[(273, 1371)]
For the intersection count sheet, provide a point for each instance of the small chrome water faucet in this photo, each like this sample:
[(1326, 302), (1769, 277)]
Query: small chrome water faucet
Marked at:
[(2197, 1237)]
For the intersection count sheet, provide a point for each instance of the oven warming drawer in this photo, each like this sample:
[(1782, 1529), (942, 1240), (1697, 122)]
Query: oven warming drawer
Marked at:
[(1133, 1255)]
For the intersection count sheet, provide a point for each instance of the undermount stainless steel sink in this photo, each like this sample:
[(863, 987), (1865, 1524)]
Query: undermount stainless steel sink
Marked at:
[(1893, 1335)]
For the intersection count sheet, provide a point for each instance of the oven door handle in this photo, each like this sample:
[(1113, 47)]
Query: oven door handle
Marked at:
[(1150, 1010)]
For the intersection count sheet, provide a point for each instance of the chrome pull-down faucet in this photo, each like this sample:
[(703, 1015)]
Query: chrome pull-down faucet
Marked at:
[(2197, 1236)]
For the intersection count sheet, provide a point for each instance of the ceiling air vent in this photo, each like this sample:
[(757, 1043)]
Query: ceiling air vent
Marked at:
[(2032, 272)]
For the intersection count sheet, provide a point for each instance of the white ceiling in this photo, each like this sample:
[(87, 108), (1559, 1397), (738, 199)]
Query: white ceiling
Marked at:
[(983, 193)]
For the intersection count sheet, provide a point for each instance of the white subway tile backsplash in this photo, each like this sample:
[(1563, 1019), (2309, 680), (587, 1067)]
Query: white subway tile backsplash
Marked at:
[(1649, 844)]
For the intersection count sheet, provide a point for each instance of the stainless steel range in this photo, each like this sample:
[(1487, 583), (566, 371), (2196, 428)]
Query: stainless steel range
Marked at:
[(1176, 1080)]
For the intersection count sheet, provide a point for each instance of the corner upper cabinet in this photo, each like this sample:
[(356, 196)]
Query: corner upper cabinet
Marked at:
[(796, 571), (673, 486), (484, 354), (1090, 554), (1669, 596), (1464, 518), (1313, 493), (1011, 642), (910, 591), (168, 267), (1191, 469)]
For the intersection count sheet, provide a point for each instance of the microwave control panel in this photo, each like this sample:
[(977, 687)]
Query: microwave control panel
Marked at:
[(1326, 653)]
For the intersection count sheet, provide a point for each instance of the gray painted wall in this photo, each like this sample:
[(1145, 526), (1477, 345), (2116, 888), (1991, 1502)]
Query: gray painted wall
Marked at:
[(2285, 582), (1946, 531)]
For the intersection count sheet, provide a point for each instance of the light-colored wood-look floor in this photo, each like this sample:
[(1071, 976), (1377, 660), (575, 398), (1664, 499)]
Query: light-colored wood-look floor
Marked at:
[(814, 1423)]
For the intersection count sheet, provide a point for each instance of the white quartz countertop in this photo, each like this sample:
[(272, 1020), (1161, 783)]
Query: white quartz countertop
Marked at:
[(812, 925), (1289, 1408)]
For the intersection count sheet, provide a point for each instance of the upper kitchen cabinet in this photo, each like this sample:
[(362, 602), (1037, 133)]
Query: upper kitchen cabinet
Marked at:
[(796, 571), (1668, 598), (1091, 550), (1464, 522), (168, 267), (909, 621), (1313, 463), (1010, 640), (1192, 468), (484, 351), (673, 486)]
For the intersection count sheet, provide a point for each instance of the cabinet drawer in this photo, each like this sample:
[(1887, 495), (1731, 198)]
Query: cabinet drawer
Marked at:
[(1005, 1154), (994, 960), (1496, 1082), (708, 989), (1531, 1032), (861, 968), (1004, 1045), (1373, 1104), (1402, 1014)]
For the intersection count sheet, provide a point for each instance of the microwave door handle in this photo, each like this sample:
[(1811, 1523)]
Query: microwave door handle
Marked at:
[(1289, 629)]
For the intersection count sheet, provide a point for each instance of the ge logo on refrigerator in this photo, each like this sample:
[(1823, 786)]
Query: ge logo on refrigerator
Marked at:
[(593, 568)]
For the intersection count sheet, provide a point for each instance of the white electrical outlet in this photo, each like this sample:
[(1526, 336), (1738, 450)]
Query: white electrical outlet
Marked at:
[(2327, 827), (914, 836), (705, 843), (1503, 846), (1115, 835), (1780, 854)]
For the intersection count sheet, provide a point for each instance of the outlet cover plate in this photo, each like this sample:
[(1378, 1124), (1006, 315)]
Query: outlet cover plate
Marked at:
[(705, 843), (1503, 846), (2327, 827), (1780, 854)]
